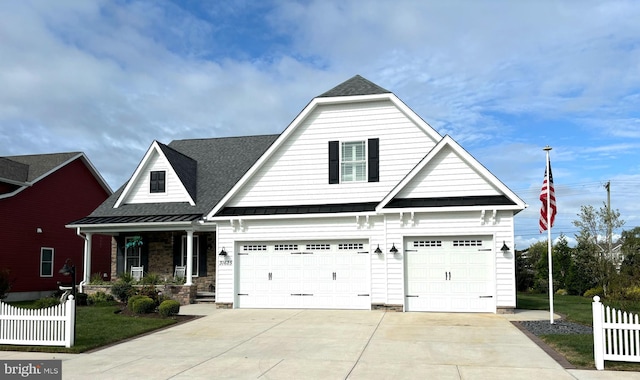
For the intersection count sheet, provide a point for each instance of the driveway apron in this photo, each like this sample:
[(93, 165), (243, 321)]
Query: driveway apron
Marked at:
[(318, 344)]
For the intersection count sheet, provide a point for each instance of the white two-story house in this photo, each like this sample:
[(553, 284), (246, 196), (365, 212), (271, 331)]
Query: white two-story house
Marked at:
[(357, 204)]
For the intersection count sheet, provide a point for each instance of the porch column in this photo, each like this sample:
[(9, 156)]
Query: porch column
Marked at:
[(87, 257), (189, 280)]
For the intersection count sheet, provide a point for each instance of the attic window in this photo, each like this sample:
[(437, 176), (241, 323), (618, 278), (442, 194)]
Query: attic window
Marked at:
[(157, 183)]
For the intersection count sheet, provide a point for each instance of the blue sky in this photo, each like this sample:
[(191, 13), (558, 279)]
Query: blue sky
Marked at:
[(503, 78)]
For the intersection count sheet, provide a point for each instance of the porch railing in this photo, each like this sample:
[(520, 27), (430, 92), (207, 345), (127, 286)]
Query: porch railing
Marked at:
[(616, 335), (52, 326)]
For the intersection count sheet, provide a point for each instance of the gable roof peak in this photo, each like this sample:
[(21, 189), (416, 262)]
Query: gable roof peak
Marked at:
[(354, 86)]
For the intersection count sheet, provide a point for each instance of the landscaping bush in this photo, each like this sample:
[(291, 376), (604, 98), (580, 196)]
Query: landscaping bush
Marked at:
[(562, 292), (96, 279), (597, 291), (43, 303), (100, 298), (133, 299), (143, 305), (151, 292), (632, 293), (151, 279), (169, 307), (122, 290)]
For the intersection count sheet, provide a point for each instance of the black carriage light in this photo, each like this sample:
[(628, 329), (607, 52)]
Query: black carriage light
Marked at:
[(223, 252), (393, 249), (378, 250), (505, 248)]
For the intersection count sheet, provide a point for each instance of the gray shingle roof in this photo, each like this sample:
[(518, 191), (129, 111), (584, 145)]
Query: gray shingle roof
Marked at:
[(185, 167), (36, 165), (355, 86), (221, 162)]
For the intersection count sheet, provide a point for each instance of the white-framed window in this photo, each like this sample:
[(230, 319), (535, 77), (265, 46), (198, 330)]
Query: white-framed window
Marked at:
[(46, 262), (353, 161), (196, 253), (132, 255)]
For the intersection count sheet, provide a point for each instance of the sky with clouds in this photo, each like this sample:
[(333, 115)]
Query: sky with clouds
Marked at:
[(503, 78)]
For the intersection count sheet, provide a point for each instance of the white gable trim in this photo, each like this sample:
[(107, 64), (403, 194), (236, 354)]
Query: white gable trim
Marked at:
[(139, 175), (447, 141), (316, 102)]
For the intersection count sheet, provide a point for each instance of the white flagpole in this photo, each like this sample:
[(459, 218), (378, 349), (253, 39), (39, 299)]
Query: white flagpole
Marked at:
[(550, 257)]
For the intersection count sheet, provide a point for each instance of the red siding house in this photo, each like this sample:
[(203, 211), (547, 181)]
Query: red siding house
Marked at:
[(39, 195)]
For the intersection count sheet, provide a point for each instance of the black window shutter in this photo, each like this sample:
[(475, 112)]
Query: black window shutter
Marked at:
[(202, 256), (334, 162), (373, 166)]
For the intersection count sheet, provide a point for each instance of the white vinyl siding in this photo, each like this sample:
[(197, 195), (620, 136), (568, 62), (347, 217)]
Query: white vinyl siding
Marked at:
[(174, 190), (297, 172), (46, 262), (447, 175)]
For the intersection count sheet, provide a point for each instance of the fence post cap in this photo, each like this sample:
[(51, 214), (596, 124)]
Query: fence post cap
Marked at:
[(72, 297), (596, 298)]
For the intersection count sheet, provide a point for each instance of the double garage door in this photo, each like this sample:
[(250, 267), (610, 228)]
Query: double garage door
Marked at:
[(309, 275), (450, 274)]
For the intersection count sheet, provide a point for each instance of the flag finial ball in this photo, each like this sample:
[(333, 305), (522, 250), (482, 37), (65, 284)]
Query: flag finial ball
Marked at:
[(547, 148)]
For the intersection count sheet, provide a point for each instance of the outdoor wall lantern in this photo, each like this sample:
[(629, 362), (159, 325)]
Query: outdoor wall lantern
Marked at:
[(70, 270), (378, 251), (505, 248), (223, 252), (393, 249)]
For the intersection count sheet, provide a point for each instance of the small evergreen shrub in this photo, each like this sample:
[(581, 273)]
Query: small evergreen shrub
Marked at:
[(100, 298), (597, 291), (96, 279), (143, 305), (43, 303), (562, 292), (151, 292), (133, 299), (122, 290), (632, 293), (169, 307)]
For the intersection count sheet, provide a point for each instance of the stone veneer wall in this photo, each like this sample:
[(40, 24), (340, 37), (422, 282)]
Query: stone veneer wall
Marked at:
[(181, 293)]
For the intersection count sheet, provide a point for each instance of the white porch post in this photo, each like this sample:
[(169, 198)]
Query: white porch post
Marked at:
[(87, 257), (189, 280)]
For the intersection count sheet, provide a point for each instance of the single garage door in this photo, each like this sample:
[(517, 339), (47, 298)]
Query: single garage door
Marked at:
[(306, 275), (451, 274)]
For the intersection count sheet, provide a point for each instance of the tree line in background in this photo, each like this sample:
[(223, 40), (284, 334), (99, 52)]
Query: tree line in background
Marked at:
[(596, 266)]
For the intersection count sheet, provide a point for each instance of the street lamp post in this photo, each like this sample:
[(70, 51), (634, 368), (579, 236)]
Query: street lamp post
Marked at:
[(70, 269)]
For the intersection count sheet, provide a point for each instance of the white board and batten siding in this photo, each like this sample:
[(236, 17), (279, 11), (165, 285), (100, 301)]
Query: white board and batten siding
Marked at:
[(174, 190), (297, 173)]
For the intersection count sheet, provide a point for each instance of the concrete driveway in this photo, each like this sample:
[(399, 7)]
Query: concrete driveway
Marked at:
[(323, 344)]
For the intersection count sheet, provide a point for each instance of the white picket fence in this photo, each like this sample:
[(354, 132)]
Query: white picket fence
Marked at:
[(52, 326), (616, 335)]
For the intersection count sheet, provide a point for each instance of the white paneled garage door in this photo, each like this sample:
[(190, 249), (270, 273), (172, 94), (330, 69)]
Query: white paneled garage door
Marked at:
[(452, 274), (308, 275)]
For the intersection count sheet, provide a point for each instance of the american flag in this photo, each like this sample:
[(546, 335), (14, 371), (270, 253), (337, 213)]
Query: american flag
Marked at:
[(547, 191)]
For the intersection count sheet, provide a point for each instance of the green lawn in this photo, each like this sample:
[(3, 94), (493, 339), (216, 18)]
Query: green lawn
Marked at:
[(577, 349), (98, 326)]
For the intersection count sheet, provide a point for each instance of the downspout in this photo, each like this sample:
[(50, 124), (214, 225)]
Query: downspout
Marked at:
[(87, 258)]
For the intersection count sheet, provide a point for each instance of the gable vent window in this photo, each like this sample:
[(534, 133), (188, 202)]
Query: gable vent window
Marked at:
[(157, 183), (354, 161), (467, 243), (427, 243)]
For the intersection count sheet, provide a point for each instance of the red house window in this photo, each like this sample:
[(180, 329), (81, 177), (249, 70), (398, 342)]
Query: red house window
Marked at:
[(46, 262)]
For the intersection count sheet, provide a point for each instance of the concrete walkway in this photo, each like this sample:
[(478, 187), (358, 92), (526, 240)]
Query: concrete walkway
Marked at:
[(326, 344)]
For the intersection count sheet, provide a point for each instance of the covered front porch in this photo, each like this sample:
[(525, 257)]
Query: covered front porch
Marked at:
[(157, 250)]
